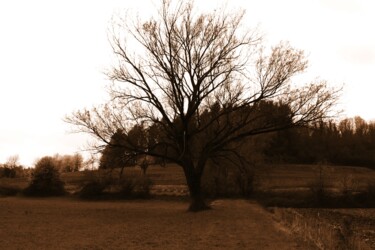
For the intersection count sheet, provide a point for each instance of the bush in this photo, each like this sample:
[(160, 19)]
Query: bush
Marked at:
[(216, 182), (245, 182), (369, 195), (7, 172), (97, 182), (6, 190), (103, 185), (227, 181), (143, 187), (126, 187), (135, 187), (92, 190), (318, 188), (45, 179)]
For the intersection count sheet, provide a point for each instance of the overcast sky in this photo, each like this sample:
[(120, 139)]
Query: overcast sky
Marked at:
[(53, 55)]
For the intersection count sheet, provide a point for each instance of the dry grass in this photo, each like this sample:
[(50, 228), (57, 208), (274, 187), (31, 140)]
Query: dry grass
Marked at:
[(267, 177), (332, 228), (66, 223), (295, 177), (61, 223)]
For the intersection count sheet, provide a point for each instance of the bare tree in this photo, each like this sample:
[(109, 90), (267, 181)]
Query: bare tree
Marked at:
[(12, 161), (201, 80)]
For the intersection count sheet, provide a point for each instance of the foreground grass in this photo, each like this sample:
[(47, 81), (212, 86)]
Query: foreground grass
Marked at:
[(67, 223), (62, 223), (331, 228)]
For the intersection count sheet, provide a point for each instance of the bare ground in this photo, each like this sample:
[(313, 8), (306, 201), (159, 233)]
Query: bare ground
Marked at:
[(64, 223)]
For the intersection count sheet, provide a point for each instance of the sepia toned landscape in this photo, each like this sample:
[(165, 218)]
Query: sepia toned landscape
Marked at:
[(208, 133)]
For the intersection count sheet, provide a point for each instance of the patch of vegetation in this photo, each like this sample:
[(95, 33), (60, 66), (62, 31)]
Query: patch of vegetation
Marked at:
[(7, 190), (135, 187), (7, 172), (224, 181), (319, 186), (95, 184), (102, 185), (45, 179), (330, 228), (298, 199), (92, 190)]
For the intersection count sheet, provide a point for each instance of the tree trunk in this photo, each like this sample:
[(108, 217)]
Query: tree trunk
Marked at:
[(194, 183)]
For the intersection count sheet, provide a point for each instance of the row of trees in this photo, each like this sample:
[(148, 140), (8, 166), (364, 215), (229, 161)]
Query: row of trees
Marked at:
[(68, 163), (350, 141), (63, 163), (11, 168)]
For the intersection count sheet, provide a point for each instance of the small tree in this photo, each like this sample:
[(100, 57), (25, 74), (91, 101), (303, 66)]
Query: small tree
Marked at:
[(200, 80), (45, 179)]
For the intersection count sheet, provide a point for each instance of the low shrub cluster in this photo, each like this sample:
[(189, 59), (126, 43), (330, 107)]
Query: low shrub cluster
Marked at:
[(103, 185), (7, 172), (8, 190), (136, 187), (92, 189), (227, 181)]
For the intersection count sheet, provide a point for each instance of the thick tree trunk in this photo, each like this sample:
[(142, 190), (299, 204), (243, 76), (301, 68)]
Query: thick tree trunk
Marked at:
[(194, 183)]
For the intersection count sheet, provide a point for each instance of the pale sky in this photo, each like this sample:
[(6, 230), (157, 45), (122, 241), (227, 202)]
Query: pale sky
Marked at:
[(53, 55)]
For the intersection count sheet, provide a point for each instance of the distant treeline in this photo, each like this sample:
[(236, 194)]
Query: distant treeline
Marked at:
[(348, 142), (63, 163)]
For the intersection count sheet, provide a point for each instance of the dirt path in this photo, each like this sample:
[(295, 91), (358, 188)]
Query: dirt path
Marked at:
[(70, 224)]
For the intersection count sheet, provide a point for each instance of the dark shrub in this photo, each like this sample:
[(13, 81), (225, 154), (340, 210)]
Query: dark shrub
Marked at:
[(319, 193), (97, 182), (6, 190), (7, 172), (102, 185), (245, 182), (318, 188), (227, 181), (45, 179), (142, 187), (126, 187), (92, 190), (369, 195), (135, 187)]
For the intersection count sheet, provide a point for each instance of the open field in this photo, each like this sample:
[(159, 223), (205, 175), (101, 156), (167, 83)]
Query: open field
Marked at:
[(267, 177), (293, 177), (164, 223), (65, 223)]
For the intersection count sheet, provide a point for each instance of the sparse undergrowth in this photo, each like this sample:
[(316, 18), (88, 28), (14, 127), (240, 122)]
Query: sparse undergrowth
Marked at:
[(228, 182), (318, 198), (330, 228), (104, 185), (330, 187), (8, 190)]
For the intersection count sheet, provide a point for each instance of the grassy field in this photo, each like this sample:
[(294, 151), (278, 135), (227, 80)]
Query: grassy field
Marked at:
[(284, 177), (69, 223), (272, 178), (267, 177), (62, 223)]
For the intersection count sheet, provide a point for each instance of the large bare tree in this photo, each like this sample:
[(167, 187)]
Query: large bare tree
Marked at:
[(199, 81)]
